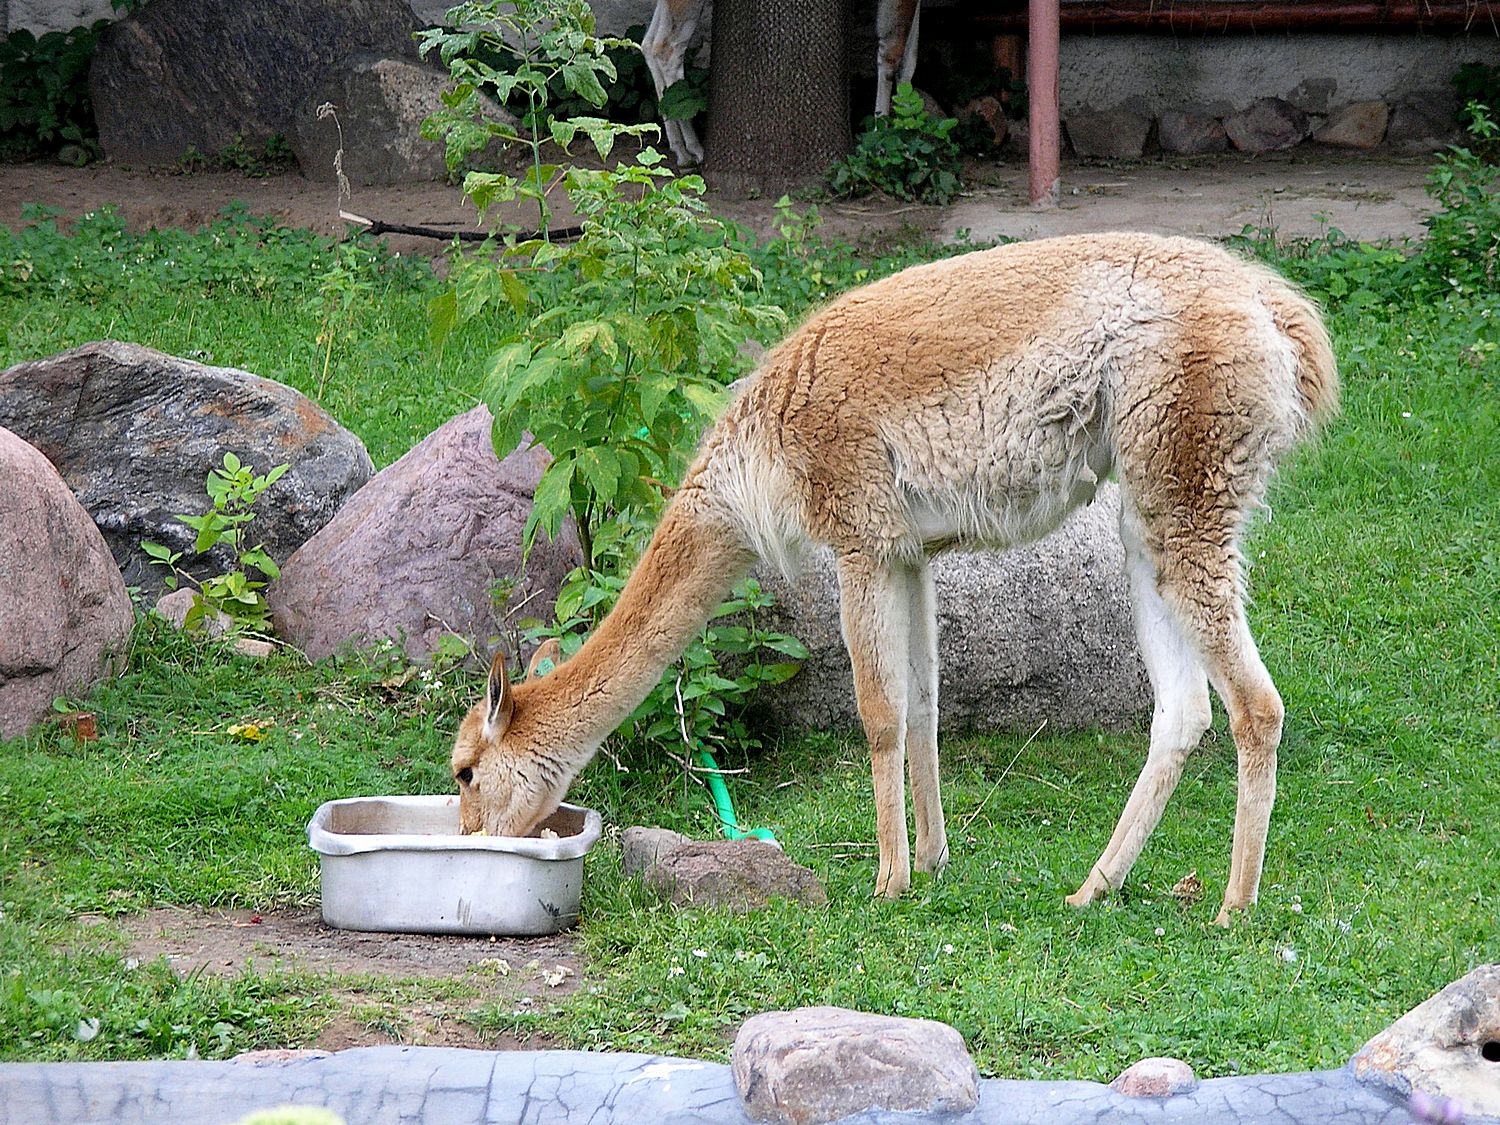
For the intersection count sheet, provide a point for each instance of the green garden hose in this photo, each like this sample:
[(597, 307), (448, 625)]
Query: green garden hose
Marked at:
[(724, 807)]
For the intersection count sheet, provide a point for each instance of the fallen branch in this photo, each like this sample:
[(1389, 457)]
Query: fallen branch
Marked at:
[(379, 226)]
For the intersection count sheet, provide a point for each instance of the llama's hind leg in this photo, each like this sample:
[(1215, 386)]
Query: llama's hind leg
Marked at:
[(1200, 584), (922, 724), (1182, 714), (876, 611)]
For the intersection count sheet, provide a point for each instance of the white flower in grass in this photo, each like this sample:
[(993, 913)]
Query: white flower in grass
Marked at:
[(1287, 954), (700, 953), (676, 970)]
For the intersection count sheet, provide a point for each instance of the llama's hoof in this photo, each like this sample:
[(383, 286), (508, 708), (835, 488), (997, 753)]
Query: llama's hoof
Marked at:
[(1093, 889), (1228, 912), (892, 886), (935, 865)]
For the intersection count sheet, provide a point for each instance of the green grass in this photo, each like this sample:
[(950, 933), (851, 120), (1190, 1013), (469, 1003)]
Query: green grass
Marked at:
[(1374, 584)]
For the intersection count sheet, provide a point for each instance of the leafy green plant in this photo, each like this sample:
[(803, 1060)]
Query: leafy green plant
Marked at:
[(345, 284), (234, 489), (625, 338), (44, 94), (516, 54), (908, 154), (627, 334), (1463, 237), (1476, 82)]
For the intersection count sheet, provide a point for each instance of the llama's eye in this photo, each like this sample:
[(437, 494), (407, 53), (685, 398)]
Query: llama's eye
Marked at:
[(465, 776)]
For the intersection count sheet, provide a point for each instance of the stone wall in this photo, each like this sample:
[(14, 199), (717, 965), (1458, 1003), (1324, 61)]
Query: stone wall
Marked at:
[(40, 16), (1317, 71)]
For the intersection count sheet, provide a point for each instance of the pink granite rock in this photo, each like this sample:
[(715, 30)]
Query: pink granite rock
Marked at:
[(419, 551), (1155, 1078), (816, 1065), (63, 606)]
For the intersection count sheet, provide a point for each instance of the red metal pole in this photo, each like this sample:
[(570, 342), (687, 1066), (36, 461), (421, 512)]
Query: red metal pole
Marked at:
[(1042, 89)]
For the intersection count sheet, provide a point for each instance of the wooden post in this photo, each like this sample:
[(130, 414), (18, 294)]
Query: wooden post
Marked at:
[(1043, 19)]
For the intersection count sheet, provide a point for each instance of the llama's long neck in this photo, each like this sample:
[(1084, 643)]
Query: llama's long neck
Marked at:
[(694, 559)]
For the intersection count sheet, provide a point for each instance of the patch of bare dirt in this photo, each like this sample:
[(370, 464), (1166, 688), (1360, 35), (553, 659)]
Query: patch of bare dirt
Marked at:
[(161, 199), (382, 984), (1374, 196)]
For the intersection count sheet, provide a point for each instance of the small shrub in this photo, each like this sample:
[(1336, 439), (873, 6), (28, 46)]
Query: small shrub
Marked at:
[(44, 93), (1463, 237), (908, 154), (234, 489), (1476, 82)]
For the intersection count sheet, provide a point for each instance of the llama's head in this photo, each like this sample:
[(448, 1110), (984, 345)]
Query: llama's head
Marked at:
[(509, 778)]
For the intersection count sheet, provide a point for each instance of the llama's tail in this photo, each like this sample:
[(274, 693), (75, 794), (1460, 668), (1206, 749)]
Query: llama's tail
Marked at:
[(1317, 371)]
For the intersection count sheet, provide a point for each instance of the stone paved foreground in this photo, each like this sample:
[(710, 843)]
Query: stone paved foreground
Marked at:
[(448, 1086)]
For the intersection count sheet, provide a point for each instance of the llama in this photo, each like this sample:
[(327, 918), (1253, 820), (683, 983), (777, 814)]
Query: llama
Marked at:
[(674, 22), (972, 402)]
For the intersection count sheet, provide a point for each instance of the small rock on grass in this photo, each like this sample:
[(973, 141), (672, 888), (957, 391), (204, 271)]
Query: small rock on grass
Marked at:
[(176, 606), (1155, 1078), (640, 847), (734, 874)]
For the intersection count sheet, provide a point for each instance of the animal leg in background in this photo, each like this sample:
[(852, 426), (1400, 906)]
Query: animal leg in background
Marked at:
[(665, 47), (922, 722), (896, 51)]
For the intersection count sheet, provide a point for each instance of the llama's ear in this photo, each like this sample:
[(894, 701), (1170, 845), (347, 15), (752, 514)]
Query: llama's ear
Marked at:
[(547, 657), (498, 701)]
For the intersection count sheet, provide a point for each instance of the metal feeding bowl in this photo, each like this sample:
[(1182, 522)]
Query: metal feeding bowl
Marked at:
[(398, 864)]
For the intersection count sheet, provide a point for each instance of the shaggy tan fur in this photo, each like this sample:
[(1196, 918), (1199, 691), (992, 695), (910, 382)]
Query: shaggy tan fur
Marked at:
[(972, 402)]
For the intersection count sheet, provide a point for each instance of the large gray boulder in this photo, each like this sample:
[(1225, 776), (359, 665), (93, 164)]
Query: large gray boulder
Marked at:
[(1110, 134), (815, 1065), (1418, 128), (1359, 125), (1267, 125), (1041, 633), (175, 74), (135, 432), (63, 606), (419, 552), (379, 105), (1191, 132)]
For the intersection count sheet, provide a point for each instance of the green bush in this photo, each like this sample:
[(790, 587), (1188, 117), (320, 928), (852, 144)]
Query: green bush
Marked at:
[(234, 489), (908, 154), (44, 92), (1463, 236)]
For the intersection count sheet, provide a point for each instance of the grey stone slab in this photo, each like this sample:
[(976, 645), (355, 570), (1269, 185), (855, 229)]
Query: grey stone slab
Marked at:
[(449, 1086)]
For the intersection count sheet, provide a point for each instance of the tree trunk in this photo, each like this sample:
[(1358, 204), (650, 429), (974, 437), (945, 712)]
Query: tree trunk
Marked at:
[(778, 93)]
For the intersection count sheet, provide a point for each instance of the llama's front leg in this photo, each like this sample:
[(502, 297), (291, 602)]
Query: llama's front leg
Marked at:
[(1182, 714), (875, 607), (922, 724)]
